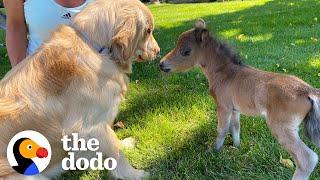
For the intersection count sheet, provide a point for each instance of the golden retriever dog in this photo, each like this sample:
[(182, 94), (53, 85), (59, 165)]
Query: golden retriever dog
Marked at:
[(285, 101), (67, 86)]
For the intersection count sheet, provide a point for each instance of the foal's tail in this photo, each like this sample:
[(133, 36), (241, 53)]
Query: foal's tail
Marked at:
[(312, 120)]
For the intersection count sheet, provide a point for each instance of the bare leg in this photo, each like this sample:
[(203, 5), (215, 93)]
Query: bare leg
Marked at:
[(287, 135), (235, 128), (224, 116)]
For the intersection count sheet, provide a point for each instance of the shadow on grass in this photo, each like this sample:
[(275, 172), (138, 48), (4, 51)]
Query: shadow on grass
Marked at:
[(279, 36)]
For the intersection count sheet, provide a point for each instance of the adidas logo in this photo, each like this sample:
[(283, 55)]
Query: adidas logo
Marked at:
[(66, 16)]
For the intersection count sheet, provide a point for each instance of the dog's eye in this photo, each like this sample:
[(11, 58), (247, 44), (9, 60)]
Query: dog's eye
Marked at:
[(149, 31), (185, 51)]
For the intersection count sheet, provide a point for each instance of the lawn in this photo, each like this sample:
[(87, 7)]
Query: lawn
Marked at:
[(173, 117)]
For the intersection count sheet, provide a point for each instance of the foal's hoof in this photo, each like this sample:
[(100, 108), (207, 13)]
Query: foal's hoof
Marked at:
[(237, 146), (236, 143), (213, 150), (217, 148)]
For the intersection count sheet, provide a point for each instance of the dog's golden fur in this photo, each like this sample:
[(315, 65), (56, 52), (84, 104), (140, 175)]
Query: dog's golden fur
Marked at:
[(285, 101), (67, 86)]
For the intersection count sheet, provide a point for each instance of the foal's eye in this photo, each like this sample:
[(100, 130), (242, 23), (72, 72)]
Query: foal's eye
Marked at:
[(185, 51), (149, 31)]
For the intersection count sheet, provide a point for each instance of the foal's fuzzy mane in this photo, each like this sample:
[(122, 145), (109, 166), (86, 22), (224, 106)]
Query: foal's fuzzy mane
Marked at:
[(225, 51)]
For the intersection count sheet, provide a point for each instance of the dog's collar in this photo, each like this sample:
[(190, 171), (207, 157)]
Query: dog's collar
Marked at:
[(100, 49)]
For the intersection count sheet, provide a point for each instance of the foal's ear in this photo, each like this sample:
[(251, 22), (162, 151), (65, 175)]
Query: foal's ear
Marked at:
[(201, 32), (200, 23), (201, 35)]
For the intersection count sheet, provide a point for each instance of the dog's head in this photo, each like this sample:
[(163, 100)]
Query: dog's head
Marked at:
[(125, 26), (134, 34)]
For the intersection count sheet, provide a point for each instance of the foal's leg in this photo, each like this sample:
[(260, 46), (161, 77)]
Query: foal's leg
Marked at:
[(224, 116), (287, 135), (235, 128)]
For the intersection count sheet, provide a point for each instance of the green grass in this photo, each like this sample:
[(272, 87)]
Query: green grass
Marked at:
[(173, 117)]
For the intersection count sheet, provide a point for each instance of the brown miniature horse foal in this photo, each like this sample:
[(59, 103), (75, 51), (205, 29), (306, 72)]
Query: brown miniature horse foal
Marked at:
[(285, 101)]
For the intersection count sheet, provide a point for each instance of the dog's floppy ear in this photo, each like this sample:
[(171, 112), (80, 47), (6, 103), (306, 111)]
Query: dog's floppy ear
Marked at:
[(123, 43)]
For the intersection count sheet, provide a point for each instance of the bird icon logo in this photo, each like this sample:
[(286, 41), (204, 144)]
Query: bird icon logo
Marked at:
[(29, 153)]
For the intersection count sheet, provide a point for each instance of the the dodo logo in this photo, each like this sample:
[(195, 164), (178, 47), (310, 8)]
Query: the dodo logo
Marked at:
[(29, 153)]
